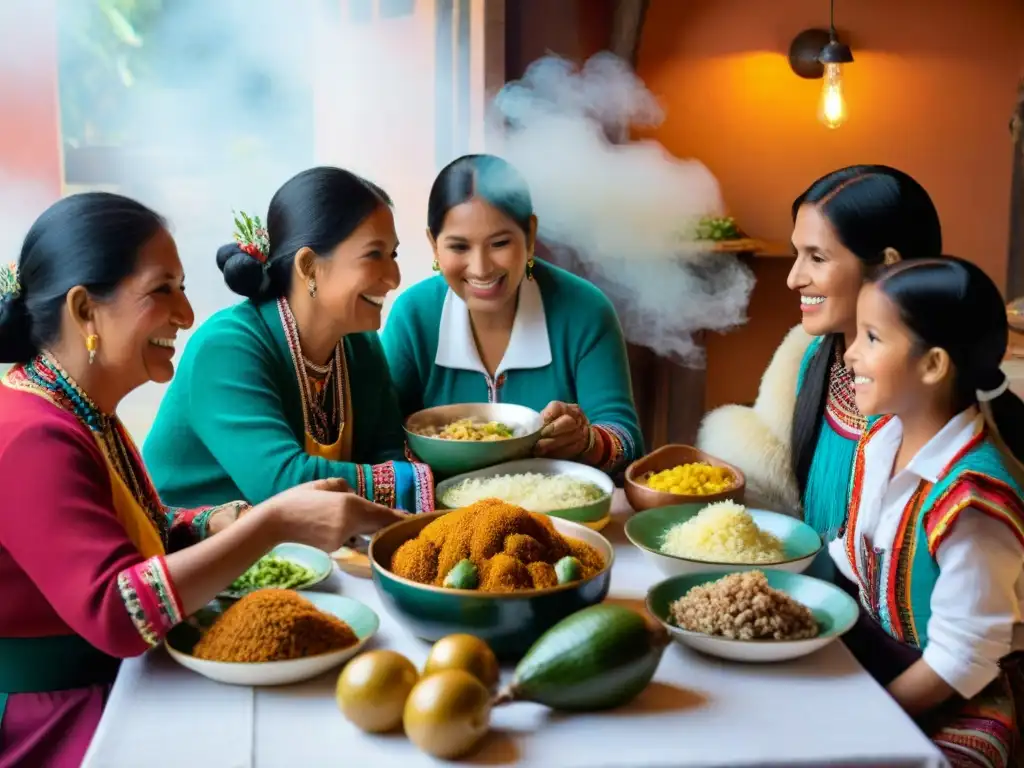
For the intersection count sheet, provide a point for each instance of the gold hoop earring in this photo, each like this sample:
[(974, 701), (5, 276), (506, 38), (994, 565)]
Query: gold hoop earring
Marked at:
[(529, 268), (436, 266), (311, 286), (92, 343)]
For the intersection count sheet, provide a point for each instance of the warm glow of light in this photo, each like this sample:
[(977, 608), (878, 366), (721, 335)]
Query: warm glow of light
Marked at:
[(832, 106)]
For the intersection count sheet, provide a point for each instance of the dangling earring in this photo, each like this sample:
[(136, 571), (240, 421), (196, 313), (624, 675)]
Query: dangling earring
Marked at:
[(92, 343), (529, 268), (436, 266), (311, 285)]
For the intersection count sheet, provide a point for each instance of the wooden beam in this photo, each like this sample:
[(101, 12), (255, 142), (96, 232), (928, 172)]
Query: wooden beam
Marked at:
[(1015, 262)]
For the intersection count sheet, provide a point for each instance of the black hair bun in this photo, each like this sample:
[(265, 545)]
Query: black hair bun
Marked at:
[(242, 273), (15, 331)]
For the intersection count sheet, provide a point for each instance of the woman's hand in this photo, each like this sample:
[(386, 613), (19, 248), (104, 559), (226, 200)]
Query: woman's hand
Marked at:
[(566, 433), (326, 514)]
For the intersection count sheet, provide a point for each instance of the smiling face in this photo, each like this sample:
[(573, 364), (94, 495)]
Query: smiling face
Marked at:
[(482, 254), (891, 374), (827, 275), (354, 279), (138, 325)]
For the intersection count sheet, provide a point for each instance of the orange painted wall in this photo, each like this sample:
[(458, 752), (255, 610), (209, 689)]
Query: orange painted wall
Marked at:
[(931, 92)]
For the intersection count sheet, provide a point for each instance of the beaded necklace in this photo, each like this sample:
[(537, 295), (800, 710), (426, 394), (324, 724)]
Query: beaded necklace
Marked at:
[(323, 407), (45, 373)]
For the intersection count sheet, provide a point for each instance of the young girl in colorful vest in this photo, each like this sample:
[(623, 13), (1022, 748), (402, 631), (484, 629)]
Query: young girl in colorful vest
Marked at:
[(933, 546)]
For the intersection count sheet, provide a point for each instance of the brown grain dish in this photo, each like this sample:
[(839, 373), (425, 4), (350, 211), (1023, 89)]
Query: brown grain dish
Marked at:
[(742, 606), (273, 625)]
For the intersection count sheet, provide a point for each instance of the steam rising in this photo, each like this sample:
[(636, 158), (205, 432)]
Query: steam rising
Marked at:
[(621, 209)]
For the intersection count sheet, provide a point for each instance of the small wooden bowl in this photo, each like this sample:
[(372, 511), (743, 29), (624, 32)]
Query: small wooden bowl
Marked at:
[(642, 497)]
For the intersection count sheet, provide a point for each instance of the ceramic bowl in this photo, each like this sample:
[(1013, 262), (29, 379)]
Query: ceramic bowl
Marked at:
[(510, 622), (308, 557), (182, 639), (589, 513), (835, 611), (642, 497), (647, 530), (453, 457)]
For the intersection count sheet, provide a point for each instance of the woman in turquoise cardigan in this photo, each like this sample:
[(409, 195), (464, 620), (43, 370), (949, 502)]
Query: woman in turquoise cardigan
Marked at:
[(497, 326), (292, 385)]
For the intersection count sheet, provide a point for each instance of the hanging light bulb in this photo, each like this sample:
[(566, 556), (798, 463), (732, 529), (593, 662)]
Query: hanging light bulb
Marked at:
[(818, 53), (832, 104)]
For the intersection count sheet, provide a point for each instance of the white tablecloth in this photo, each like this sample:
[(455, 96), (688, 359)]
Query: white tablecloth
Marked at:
[(820, 710)]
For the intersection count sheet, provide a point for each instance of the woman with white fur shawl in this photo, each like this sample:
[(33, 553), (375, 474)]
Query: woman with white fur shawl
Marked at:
[(796, 444)]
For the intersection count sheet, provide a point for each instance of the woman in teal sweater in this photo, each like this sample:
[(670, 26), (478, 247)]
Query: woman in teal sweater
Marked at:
[(292, 385), (497, 326)]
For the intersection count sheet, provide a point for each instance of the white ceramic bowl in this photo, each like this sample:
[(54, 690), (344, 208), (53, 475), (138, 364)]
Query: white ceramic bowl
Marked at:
[(835, 611), (318, 562), (590, 513), (362, 619), (646, 531)]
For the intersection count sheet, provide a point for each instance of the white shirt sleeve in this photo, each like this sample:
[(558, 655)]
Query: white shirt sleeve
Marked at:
[(974, 603)]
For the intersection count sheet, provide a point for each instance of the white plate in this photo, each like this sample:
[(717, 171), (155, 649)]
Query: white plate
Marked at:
[(835, 610), (782, 526), (594, 511), (361, 618), (318, 562)]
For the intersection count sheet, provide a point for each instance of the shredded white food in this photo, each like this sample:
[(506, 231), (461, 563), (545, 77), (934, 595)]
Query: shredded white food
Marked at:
[(532, 491), (723, 532)]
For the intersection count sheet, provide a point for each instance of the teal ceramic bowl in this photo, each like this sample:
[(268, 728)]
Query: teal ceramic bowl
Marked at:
[(647, 530), (834, 610), (586, 513), (509, 622), (454, 457)]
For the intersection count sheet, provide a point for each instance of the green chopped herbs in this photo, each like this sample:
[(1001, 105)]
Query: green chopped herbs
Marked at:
[(272, 571)]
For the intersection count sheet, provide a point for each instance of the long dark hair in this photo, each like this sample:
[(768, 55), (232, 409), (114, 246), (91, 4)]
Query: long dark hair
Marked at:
[(90, 239), (871, 208), (952, 304), (485, 176), (318, 209)]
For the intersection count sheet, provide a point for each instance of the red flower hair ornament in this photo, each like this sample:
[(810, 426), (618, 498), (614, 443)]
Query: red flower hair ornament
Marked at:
[(252, 237)]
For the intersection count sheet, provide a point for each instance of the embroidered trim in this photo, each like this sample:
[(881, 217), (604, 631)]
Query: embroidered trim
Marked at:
[(384, 484), (841, 405), (985, 494), (424, 487), (849, 528), (618, 447), (316, 413), (198, 520), (985, 730), (150, 599), (361, 489), (902, 625)]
